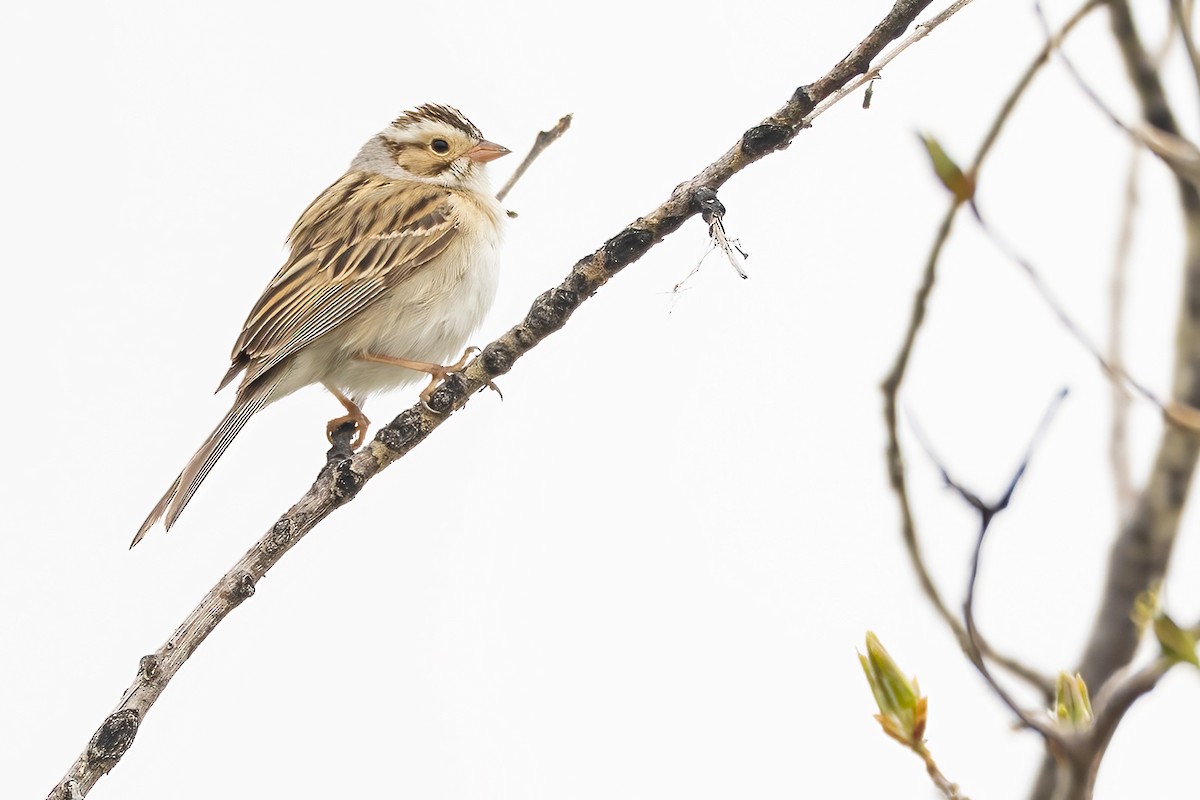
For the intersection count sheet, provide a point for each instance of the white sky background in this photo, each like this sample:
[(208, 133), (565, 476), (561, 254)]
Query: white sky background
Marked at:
[(644, 573)]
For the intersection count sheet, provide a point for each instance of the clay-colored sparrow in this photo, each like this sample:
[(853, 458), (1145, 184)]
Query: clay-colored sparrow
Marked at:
[(390, 270)]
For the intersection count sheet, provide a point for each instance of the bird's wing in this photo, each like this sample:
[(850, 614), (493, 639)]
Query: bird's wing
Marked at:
[(362, 236)]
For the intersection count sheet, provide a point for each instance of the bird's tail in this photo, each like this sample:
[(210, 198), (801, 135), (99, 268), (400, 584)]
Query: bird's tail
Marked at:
[(197, 469)]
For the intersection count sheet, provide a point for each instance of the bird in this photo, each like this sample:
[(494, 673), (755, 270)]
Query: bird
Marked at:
[(388, 273)]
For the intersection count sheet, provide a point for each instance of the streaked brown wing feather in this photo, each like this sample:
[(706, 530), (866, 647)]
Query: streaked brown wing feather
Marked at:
[(360, 237)]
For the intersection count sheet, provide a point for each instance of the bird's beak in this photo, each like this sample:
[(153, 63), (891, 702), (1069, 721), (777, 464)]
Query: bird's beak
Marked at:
[(487, 151)]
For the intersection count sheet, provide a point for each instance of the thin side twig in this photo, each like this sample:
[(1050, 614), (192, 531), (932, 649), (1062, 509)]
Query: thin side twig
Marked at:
[(543, 140), (876, 70), (345, 473), (1118, 431), (987, 514), (1119, 695), (949, 789), (1118, 436), (1115, 371)]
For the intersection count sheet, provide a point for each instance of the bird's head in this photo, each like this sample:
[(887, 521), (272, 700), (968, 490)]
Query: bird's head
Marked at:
[(432, 144)]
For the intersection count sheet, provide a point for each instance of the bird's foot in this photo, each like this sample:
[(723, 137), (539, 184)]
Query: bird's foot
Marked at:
[(439, 373), (436, 372), (353, 414)]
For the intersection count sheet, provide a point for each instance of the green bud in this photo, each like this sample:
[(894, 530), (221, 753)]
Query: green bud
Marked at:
[(1072, 706), (960, 184), (1176, 643), (1146, 606), (902, 709)]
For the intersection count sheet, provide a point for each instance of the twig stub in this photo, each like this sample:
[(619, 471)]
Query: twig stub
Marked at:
[(706, 200)]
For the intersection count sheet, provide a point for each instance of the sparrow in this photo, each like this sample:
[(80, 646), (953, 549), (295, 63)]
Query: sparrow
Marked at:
[(388, 273)]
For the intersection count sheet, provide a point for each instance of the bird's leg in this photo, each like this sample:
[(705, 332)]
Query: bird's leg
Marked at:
[(353, 414), (437, 372)]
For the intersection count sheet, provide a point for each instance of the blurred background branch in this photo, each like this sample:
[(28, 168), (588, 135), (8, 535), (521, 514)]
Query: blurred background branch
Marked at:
[(1148, 516)]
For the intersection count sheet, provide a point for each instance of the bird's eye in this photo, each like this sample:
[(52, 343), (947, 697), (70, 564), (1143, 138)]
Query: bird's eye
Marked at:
[(440, 146)]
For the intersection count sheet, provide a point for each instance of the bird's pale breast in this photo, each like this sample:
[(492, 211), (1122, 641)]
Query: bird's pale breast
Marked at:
[(429, 318)]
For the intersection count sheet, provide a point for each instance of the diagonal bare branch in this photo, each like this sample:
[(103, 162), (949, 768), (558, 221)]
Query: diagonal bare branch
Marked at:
[(345, 473)]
